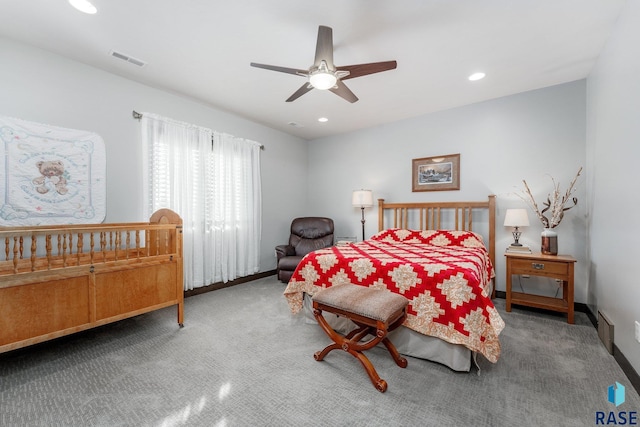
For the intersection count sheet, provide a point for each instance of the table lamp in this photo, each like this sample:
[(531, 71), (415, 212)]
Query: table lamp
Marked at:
[(516, 218)]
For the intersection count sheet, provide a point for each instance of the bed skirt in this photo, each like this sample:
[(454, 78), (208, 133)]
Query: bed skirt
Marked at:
[(407, 341)]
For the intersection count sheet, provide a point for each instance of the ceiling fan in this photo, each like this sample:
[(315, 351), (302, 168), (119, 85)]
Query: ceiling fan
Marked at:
[(324, 75)]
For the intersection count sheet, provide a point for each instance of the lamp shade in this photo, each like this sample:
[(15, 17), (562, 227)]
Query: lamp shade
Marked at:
[(516, 218), (362, 198)]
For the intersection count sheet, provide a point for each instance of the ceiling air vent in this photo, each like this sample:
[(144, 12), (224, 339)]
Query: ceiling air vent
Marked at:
[(295, 125), (128, 58)]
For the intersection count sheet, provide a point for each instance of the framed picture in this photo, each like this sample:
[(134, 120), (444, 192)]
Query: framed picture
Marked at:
[(436, 173)]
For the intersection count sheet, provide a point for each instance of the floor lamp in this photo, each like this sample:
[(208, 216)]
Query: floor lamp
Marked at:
[(362, 199)]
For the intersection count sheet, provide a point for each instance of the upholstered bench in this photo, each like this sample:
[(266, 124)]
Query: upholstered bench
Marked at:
[(375, 312)]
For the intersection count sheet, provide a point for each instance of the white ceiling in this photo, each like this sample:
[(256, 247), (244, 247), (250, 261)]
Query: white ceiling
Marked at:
[(202, 49)]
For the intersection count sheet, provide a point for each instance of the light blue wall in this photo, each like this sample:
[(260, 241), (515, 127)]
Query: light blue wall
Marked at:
[(532, 136), (501, 142), (613, 99), (39, 86)]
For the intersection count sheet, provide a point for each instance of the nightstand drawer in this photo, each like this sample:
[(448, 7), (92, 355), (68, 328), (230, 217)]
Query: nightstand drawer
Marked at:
[(539, 267)]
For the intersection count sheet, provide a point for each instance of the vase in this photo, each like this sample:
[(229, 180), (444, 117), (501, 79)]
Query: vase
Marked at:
[(549, 244)]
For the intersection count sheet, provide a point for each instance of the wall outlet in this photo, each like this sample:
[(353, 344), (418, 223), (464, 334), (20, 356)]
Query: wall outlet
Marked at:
[(525, 276), (637, 331)]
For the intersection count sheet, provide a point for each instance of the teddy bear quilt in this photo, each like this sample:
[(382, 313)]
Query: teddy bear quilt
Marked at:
[(50, 175)]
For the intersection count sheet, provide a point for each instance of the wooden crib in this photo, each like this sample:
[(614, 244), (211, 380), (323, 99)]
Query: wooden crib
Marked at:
[(58, 280)]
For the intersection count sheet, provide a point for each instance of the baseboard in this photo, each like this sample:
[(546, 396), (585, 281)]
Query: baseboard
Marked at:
[(221, 285), (592, 317), (627, 368)]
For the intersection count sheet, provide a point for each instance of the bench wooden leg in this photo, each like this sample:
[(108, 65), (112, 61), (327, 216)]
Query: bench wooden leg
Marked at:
[(378, 383), (400, 361)]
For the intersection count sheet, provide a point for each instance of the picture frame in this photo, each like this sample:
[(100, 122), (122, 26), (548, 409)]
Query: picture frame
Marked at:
[(437, 173)]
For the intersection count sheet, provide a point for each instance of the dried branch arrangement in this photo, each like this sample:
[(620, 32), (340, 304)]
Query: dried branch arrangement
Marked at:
[(556, 203)]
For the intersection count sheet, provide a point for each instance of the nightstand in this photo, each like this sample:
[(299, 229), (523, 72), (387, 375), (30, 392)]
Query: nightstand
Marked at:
[(342, 241), (536, 264)]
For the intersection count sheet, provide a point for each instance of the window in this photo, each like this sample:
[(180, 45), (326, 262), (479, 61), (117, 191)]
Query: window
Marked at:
[(212, 180)]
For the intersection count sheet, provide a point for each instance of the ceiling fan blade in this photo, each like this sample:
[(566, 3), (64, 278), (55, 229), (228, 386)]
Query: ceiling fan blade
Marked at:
[(365, 69), (343, 91), (303, 73), (303, 89), (324, 47)]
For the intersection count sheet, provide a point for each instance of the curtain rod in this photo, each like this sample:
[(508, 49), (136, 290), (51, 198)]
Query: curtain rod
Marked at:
[(138, 116)]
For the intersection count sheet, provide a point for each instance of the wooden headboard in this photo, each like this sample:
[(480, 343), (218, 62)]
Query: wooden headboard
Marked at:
[(441, 215)]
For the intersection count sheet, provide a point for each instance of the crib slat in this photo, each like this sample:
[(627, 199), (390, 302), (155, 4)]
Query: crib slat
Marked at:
[(103, 244), (80, 246), (64, 250), (138, 244), (91, 251), (117, 244), (15, 254), (127, 243), (48, 250), (34, 248)]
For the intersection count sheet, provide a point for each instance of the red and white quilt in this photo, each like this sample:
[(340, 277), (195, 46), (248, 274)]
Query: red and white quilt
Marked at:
[(444, 274)]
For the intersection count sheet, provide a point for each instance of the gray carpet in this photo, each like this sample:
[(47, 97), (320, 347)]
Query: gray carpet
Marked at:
[(243, 360)]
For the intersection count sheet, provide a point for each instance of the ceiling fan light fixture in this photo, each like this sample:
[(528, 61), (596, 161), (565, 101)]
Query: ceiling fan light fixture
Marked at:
[(324, 75), (323, 80)]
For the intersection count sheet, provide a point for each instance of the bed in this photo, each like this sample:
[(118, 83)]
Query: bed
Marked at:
[(440, 256), (58, 280)]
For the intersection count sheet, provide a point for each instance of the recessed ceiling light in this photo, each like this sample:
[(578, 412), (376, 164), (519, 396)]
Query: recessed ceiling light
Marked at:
[(83, 6), (476, 76), (323, 120)]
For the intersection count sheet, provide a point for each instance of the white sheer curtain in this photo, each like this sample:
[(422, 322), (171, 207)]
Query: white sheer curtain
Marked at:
[(212, 181)]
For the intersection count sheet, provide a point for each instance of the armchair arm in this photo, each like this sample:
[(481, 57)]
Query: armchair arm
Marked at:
[(284, 250)]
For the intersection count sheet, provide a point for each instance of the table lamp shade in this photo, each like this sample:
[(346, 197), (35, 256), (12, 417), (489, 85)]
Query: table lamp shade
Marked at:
[(516, 218), (362, 198)]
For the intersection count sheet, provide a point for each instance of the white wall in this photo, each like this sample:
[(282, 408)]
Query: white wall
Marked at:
[(501, 142), (46, 88), (613, 131)]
